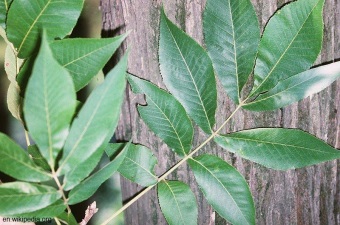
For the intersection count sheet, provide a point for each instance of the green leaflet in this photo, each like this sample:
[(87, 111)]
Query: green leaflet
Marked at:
[(224, 188), (20, 197), (4, 7), (49, 104), (96, 121), (278, 148), (290, 43), (177, 202), (16, 163), (67, 219), (188, 73), (50, 211), (84, 57), (27, 18), (165, 116), (138, 165), (89, 186), (82, 170), (232, 35), (296, 88)]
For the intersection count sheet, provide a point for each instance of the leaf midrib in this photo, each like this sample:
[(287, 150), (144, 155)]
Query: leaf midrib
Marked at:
[(31, 27), (146, 170), (174, 196), (190, 73), (281, 144), (283, 54), (86, 55)]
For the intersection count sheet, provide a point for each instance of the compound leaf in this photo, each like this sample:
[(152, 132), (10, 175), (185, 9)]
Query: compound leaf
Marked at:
[(165, 116), (49, 104), (229, 25), (224, 188), (177, 202), (27, 18), (290, 43), (278, 148), (188, 73)]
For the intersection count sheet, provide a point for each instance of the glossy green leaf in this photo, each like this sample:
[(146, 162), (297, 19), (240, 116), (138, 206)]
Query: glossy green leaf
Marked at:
[(89, 186), (16, 163), (177, 202), (224, 188), (68, 219), (50, 211), (278, 148), (232, 35), (4, 7), (37, 158), (49, 104), (96, 121), (20, 197), (290, 43), (138, 165), (82, 170), (165, 116), (27, 18), (188, 73), (84, 58), (296, 88)]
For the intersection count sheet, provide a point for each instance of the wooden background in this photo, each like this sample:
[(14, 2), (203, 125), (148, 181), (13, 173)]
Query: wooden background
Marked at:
[(309, 196)]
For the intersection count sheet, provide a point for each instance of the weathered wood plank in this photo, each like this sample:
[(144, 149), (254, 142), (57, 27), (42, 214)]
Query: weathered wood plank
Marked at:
[(305, 196)]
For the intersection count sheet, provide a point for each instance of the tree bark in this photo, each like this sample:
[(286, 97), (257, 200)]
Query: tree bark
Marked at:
[(303, 196)]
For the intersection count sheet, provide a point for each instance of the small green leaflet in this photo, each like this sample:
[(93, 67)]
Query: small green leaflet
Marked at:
[(165, 116), (16, 163), (138, 165), (27, 18), (49, 104), (84, 57), (188, 73), (96, 121), (177, 202), (82, 170), (293, 31), (224, 188), (20, 197), (278, 148), (296, 88), (232, 35), (89, 186)]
